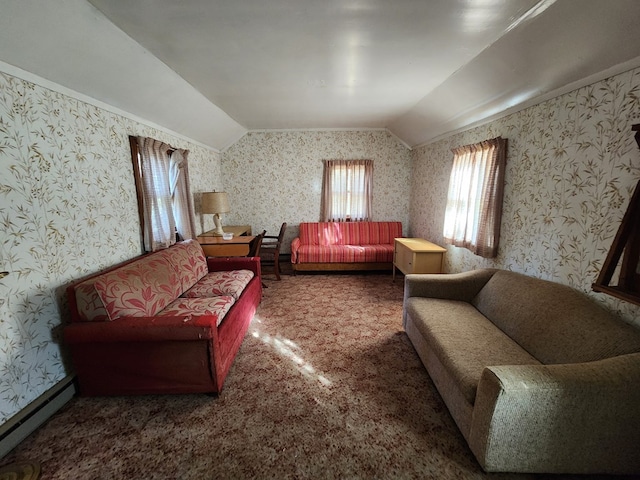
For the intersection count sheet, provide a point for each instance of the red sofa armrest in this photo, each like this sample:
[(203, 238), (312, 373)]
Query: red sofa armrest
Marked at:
[(143, 329), (295, 245), (221, 264)]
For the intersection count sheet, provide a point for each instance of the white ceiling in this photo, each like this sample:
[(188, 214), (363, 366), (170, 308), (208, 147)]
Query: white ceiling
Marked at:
[(213, 69)]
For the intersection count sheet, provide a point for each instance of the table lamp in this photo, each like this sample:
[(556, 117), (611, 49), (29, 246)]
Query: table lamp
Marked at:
[(216, 203)]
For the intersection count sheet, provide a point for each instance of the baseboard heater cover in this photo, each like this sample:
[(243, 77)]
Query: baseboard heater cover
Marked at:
[(25, 422)]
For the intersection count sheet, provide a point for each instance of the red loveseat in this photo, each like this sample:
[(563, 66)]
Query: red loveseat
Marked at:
[(345, 246), (170, 321)]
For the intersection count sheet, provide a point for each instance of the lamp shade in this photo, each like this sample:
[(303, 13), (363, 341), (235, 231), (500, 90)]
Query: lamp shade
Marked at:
[(215, 202)]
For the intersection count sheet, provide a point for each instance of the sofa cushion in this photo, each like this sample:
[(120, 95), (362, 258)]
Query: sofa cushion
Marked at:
[(139, 289), (349, 233), (553, 322), (464, 340), (345, 253), (369, 233), (89, 305), (188, 261), (215, 284), (190, 307)]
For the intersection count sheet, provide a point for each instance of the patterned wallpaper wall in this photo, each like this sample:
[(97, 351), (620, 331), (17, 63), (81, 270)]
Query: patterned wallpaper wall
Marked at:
[(572, 165), (275, 177), (67, 208)]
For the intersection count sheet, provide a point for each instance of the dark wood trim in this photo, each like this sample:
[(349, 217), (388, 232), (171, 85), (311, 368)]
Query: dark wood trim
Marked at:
[(625, 246), (137, 177)]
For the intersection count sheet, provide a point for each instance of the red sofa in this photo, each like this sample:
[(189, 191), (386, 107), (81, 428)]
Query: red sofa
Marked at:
[(345, 246), (167, 322)]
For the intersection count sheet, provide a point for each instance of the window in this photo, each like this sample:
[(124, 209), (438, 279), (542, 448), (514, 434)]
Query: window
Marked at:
[(164, 200), (347, 189), (474, 201)]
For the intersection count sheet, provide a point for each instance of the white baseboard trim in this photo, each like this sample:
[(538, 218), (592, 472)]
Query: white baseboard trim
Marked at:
[(25, 422)]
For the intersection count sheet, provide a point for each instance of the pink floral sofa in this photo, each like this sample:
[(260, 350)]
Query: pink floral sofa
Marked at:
[(166, 322), (345, 245)]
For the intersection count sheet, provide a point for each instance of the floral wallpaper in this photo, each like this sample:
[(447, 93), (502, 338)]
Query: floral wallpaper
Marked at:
[(572, 165), (276, 177), (67, 208)]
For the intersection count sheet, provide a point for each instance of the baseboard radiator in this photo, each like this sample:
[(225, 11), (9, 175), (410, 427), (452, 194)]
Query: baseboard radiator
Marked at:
[(25, 422)]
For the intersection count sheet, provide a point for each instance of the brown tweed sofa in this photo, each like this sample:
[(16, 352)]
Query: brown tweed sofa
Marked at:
[(536, 375)]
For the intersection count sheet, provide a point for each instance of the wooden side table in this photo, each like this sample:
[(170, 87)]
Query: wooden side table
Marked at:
[(238, 246), (416, 255), (237, 230)]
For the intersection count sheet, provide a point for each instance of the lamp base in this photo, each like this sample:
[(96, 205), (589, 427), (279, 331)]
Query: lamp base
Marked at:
[(217, 232)]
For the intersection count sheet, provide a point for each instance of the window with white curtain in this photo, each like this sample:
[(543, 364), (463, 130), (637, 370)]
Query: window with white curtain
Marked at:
[(164, 199), (474, 201), (347, 191)]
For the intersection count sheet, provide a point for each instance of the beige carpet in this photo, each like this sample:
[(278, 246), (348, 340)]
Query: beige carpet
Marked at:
[(326, 385)]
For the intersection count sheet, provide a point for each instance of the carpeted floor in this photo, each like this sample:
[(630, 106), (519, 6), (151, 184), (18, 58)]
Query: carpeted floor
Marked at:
[(326, 385)]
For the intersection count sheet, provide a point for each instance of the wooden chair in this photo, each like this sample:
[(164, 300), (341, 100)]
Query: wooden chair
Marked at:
[(270, 252), (256, 244)]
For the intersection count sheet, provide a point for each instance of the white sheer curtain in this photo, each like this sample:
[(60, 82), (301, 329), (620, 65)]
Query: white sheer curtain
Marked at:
[(347, 191), (158, 222), (474, 201), (165, 194), (181, 194)]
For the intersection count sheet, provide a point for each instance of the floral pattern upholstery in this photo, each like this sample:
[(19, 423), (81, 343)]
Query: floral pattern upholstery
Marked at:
[(140, 289), (88, 302), (189, 307), (221, 283), (189, 261)]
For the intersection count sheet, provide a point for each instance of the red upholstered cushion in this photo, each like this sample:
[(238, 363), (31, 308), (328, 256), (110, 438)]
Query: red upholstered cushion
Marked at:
[(319, 233), (140, 289), (189, 307), (369, 233), (349, 233), (189, 262), (89, 305), (345, 253), (221, 283)]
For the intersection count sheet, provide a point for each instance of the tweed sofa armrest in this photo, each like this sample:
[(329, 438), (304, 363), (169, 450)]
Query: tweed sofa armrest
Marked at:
[(582, 417), (452, 286)]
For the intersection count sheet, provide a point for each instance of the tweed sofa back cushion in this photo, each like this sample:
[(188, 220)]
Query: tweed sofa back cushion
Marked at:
[(349, 233), (553, 322)]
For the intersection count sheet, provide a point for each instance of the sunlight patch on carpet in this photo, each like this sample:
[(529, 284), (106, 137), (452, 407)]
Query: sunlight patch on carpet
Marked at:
[(287, 349)]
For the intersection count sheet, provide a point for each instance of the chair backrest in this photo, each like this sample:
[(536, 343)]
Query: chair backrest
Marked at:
[(283, 229), (254, 247)]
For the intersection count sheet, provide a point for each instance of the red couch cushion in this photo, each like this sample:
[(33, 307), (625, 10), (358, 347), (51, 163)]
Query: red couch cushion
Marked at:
[(221, 283), (188, 260), (345, 253), (349, 233), (139, 289), (190, 307)]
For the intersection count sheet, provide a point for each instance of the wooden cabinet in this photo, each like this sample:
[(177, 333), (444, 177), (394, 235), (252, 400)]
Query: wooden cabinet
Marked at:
[(416, 255)]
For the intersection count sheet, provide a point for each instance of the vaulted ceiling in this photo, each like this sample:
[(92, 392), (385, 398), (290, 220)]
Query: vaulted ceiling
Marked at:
[(214, 69)]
